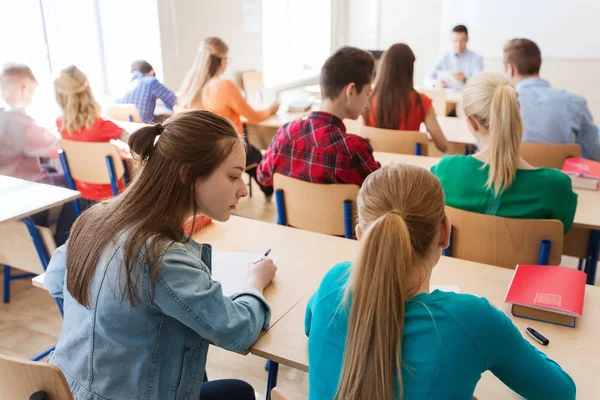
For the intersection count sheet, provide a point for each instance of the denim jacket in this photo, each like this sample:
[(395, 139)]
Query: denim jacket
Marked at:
[(156, 349)]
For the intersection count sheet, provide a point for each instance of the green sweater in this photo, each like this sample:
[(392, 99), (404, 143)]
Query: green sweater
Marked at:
[(542, 193), (449, 340)]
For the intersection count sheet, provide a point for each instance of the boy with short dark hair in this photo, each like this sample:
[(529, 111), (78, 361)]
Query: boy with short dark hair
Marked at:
[(144, 89), (318, 149)]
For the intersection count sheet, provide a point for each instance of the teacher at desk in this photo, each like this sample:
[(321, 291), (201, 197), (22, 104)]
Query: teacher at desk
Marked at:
[(453, 68)]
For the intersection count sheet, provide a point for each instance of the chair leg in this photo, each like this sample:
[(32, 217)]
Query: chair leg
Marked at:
[(6, 284), (272, 379), (43, 354)]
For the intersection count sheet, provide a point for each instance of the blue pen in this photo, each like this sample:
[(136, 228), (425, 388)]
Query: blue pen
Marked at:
[(266, 254)]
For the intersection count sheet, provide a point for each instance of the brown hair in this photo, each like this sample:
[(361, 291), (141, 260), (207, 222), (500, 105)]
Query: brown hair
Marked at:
[(524, 54), (155, 204), (400, 223), (206, 64), (490, 100), (461, 29), (142, 66), (12, 72), (393, 88), (345, 66), (75, 99)]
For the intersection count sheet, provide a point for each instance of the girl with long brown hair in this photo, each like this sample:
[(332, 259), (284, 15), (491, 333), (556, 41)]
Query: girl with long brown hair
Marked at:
[(375, 329), (203, 88), (497, 180), (395, 104), (140, 305)]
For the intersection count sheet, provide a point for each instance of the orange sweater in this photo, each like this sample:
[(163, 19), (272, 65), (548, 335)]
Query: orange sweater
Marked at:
[(223, 97)]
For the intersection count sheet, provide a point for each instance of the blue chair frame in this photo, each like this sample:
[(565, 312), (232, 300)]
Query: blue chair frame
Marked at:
[(110, 166), (44, 260)]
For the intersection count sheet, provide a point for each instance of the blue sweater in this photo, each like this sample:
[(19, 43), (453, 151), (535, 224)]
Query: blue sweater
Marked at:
[(449, 340)]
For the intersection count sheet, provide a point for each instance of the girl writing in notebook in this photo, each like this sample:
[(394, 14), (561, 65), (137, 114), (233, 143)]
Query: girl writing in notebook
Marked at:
[(395, 104), (203, 88), (140, 305), (376, 331), (497, 180)]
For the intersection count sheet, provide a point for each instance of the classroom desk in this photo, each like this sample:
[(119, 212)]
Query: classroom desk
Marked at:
[(587, 215), (576, 350), (20, 198)]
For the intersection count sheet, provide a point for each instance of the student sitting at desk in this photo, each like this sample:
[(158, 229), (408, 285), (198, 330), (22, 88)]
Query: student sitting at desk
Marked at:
[(144, 89), (549, 115), (370, 319), (318, 149), (81, 121), (496, 180), (140, 305), (395, 104), (203, 88), (455, 67)]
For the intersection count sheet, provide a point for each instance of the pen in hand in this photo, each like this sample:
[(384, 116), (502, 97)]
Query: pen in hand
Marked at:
[(265, 256)]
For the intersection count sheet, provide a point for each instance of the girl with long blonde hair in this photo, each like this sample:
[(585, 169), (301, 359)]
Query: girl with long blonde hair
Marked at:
[(80, 120), (497, 180), (203, 88), (375, 329)]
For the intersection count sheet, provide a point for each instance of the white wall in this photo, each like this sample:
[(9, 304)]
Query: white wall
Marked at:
[(417, 23), (183, 27)]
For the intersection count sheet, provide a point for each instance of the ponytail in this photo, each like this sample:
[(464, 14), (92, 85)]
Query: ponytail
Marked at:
[(372, 367), (141, 142), (506, 131)]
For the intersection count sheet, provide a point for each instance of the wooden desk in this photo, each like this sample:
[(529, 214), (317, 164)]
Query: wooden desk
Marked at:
[(576, 350), (20, 198), (456, 131)]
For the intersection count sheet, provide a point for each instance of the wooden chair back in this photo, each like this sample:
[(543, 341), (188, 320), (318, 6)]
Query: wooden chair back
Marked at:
[(504, 242), (87, 161), (394, 141), (316, 207), (439, 100), (22, 378), (253, 85), (123, 112), (549, 155), (17, 249), (277, 394)]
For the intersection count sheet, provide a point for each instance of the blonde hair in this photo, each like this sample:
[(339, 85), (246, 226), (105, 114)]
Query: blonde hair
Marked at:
[(76, 100), (400, 210), (206, 64), (493, 103)]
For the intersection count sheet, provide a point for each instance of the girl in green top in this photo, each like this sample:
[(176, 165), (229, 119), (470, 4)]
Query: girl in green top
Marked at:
[(496, 180), (376, 316)]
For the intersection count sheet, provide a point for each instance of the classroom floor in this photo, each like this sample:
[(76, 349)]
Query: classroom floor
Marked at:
[(31, 323)]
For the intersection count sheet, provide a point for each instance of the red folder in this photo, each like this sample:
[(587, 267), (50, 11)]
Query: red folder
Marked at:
[(547, 293), (582, 167)]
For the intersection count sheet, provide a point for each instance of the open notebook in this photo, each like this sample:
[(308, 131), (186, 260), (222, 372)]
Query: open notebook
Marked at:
[(231, 269)]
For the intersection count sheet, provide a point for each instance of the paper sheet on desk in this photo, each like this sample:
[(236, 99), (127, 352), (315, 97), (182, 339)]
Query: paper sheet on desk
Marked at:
[(231, 269), (448, 77)]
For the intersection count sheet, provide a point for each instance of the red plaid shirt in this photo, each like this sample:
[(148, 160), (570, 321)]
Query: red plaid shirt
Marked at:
[(318, 150)]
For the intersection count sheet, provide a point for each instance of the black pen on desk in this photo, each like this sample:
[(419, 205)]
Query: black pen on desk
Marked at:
[(538, 337), (265, 256)]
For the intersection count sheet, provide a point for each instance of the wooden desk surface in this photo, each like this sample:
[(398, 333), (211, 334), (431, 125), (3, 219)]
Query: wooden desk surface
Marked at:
[(587, 214), (304, 256), (20, 198), (576, 350), (456, 131)]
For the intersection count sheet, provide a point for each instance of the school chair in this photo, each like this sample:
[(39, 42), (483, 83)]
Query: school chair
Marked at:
[(504, 242), (23, 379), (91, 162), (323, 208), (394, 141), (277, 394), (439, 100), (27, 247), (549, 155), (253, 85), (123, 112)]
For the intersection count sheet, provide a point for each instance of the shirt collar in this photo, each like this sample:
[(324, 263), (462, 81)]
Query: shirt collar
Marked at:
[(136, 75), (327, 117), (531, 82), (461, 55)]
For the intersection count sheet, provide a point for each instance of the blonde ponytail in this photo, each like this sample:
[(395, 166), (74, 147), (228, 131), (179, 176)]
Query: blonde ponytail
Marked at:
[(493, 103), (206, 64), (76, 100), (400, 222)]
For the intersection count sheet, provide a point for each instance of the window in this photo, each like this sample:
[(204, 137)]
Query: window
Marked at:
[(296, 39)]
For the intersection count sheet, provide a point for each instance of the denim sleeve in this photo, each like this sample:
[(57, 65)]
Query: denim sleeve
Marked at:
[(588, 135), (184, 291), (54, 278)]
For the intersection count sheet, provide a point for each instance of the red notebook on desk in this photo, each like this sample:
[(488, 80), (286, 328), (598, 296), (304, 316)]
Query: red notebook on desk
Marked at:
[(585, 174), (547, 293)]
